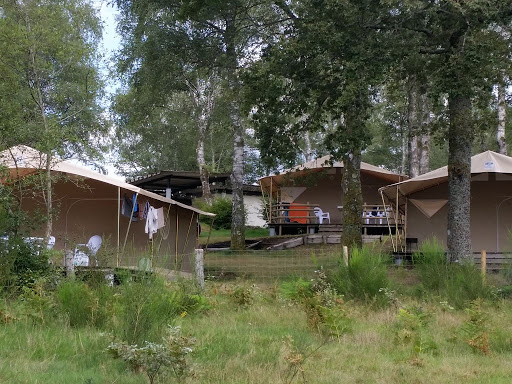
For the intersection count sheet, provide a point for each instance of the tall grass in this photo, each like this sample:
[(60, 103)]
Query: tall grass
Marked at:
[(364, 275), (459, 283)]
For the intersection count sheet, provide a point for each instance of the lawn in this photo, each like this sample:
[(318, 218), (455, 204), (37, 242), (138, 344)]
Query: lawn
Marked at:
[(254, 334), (221, 235)]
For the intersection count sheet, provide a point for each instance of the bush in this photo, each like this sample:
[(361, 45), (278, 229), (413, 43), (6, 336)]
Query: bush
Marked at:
[(221, 207), (22, 264), (364, 276), (432, 265)]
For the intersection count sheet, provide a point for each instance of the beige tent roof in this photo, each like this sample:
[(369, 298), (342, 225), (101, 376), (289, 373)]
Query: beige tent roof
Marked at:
[(485, 162), (26, 160), (321, 163)]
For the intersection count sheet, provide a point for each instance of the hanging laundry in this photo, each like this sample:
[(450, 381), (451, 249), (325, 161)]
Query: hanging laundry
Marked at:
[(127, 208), (160, 218), (146, 210), (151, 222)]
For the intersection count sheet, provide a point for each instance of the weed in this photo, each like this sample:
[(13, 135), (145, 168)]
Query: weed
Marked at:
[(475, 328), (295, 359), (155, 358), (412, 328), (243, 295)]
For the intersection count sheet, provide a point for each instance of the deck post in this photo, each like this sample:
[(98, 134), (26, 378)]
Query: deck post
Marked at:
[(483, 265)]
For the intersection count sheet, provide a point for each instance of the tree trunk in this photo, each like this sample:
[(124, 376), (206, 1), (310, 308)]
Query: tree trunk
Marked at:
[(238, 215), (502, 118), (203, 171), (352, 200), (424, 138), (237, 175), (459, 176), (308, 153), (413, 122)]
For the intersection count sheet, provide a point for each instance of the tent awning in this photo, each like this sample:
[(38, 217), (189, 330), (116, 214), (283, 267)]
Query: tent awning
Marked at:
[(485, 162), (321, 164)]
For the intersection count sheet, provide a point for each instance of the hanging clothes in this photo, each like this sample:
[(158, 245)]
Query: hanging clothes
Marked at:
[(151, 222), (127, 208)]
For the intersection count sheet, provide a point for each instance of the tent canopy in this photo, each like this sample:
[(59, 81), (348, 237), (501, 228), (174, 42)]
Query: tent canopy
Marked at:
[(23, 160), (322, 164), (485, 162)]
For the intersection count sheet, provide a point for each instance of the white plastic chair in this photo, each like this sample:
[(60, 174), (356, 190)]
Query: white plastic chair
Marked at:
[(84, 251), (322, 215)]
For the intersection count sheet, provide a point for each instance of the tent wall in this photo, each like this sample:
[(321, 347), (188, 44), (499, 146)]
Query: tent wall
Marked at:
[(490, 230), (90, 207), (326, 192)]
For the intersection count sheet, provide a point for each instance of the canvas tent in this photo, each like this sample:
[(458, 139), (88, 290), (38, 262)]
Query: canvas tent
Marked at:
[(424, 200), (88, 203), (319, 182)]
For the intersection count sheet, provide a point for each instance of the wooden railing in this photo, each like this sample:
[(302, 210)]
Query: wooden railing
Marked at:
[(282, 213)]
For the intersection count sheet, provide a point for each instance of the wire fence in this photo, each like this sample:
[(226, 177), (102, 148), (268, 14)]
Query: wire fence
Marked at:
[(268, 266)]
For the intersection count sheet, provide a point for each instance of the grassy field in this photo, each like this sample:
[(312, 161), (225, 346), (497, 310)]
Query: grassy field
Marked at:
[(254, 334), (220, 235)]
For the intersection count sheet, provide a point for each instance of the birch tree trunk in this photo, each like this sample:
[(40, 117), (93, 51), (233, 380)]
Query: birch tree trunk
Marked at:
[(203, 171), (502, 118), (424, 139), (413, 122), (204, 101), (308, 152), (238, 214), (237, 174), (459, 176)]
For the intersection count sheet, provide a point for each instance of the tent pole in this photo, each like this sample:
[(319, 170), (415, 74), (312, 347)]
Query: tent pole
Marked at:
[(188, 233), (118, 223), (209, 233), (387, 220), (176, 243), (405, 223), (270, 203), (129, 223)]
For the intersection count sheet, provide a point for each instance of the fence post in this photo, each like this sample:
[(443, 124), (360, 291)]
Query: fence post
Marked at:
[(345, 254), (199, 267), (483, 264)]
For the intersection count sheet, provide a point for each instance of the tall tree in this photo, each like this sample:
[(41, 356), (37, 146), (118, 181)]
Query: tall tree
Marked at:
[(322, 72), (462, 53), (48, 54), (220, 35)]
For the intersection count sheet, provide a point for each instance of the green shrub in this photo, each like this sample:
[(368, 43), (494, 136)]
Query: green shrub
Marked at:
[(296, 290), (222, 209), (465, 284), (364, 276), (22, 264), (157, 359), (432, 266)]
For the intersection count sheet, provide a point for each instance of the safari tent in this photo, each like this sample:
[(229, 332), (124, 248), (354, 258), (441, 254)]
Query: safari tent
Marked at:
[(424, 199), (293, 195), (88, 203)]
